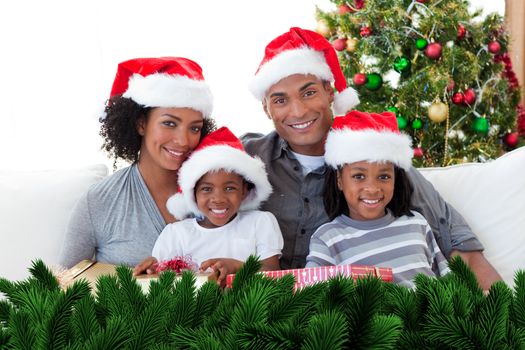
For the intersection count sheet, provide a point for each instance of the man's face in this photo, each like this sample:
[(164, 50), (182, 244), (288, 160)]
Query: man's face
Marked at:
[(300, 108)]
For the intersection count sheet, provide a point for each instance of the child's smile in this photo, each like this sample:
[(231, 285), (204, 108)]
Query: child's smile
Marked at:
[(367, 187), (219, 195)]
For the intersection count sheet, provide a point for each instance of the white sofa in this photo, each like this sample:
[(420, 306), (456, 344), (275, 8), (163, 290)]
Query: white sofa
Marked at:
[(35, 207)]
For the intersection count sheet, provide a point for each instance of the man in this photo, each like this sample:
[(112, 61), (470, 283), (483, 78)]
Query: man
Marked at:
[(293, 83)]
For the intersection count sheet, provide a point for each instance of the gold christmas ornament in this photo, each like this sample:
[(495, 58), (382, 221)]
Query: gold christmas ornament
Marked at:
[(438, 112), (322, 28), (351, 44)]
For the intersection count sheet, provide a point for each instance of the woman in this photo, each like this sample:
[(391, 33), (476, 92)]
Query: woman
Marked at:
[(159, 109)]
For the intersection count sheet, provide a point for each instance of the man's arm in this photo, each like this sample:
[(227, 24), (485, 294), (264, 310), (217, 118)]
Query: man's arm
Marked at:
[(485, 273), (453, 234)]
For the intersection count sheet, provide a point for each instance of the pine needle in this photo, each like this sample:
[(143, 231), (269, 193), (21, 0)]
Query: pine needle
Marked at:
[(327, 330), (43, 274)]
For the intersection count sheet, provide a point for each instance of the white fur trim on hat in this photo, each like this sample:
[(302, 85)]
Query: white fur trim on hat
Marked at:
[(165, 90), (346, 146), (345, 101), (215, 158), (296, 61)]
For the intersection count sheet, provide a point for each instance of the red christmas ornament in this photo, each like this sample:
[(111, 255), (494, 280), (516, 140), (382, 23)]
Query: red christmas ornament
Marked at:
[(461, 32), (418, 152), (433, 51), (365, 31), (469, 96), (360, 79), (458, 98), (344, 8), (521, 120), (339, 44), (511, 139), (421, 1), (359, 4), (494, 47), (451, 85)]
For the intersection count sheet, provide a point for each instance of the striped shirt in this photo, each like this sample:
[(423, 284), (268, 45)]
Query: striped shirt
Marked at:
[(405, 244)]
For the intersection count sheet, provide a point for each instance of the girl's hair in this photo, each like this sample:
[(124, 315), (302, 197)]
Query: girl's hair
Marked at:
[(119, 128), (335, 202)]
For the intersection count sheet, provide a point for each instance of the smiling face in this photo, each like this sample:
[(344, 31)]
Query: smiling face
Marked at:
[(300, 108), (168, 136), (367, 187), (219, 195)]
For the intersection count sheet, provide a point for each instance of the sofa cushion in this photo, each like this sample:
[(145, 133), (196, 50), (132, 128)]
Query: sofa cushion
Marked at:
[(34, 212), (491, 197)]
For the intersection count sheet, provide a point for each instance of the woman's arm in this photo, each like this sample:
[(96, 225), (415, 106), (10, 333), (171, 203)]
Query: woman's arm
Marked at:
[(79, 242)]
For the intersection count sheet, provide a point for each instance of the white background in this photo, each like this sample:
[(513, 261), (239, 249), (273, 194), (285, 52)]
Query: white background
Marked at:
[(58, 60)]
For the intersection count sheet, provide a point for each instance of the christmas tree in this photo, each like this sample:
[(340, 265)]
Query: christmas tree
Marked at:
[(440, 67)]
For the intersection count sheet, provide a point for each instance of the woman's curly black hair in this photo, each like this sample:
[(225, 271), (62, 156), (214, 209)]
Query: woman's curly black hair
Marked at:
[(335, 201), (119, 128)]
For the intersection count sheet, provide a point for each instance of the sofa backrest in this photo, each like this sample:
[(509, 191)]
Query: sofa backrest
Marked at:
[(491, 197), (34, 212)]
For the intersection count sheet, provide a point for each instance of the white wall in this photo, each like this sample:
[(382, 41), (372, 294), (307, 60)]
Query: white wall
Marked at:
[(59, 58)]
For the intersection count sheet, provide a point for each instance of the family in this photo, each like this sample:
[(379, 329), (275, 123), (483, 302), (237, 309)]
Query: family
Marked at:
[(330, 185)]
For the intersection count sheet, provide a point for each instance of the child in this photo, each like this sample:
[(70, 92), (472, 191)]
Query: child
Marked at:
[(222, 186), (367, 197)]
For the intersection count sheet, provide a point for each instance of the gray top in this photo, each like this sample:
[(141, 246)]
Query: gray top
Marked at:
[(297, 202), (115, 221), (405, 244)]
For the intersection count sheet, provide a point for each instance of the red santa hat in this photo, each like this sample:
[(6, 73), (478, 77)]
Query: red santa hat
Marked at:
[(164, 82), (302, 51), (219, 150), (373, 137)]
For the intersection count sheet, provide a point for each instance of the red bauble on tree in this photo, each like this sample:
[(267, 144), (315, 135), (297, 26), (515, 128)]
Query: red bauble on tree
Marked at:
[(359, 4), (461, 32), (344, 8), (365, 31), (511, 139), (458, 98), (360, 79), (451, 85), (418, 152), (494, 47), (339, 44), (469, 96), (433, 51)]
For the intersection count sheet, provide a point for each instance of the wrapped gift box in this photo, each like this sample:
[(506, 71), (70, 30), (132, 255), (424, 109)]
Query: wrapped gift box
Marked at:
[(91, 270), (311, 275)]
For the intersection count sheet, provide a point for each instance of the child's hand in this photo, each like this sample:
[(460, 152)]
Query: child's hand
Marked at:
[(221, 267), (148, 265)]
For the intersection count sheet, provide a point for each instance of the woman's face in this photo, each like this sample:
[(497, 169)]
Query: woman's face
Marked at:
[(169, 135)]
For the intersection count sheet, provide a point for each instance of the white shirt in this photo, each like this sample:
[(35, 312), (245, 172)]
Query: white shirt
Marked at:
[(309, 163), (251, 232)]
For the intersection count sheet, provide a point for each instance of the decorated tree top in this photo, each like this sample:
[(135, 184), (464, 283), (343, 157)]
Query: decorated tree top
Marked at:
[(442, 69)]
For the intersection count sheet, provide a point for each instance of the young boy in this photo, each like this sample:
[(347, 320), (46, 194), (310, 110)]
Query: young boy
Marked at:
[(221, 186)]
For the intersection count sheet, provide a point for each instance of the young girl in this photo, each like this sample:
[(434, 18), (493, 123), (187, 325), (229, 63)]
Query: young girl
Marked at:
[(367, 197), (222, 186)]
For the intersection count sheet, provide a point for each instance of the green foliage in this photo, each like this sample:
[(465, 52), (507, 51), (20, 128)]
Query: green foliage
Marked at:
[(449, 312), (465, 60)]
